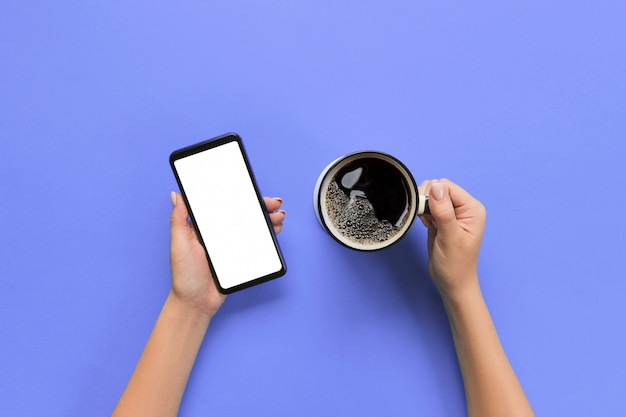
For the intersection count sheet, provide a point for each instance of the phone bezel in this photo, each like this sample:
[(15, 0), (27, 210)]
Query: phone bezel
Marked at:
[(204, 146)]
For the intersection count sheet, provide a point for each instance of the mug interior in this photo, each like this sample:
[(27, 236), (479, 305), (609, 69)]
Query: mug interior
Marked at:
[(329, 173)]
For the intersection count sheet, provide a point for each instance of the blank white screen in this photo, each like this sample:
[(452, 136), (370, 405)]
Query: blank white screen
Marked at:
[(228, 214)]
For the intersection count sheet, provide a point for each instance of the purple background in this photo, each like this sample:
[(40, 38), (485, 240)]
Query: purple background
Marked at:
[(523, 104)]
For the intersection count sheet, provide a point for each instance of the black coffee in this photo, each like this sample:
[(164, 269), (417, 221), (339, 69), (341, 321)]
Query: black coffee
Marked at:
[(368, 201)]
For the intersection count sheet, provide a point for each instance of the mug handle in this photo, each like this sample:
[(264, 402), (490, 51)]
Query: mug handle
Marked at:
[(422, 204)]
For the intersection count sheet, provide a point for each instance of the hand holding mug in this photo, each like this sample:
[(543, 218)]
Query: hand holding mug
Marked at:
[(455, 229)]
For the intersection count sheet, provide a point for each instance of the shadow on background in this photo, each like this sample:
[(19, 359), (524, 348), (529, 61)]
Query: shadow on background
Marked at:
[(406, 274), (254, 297), (406, 264)]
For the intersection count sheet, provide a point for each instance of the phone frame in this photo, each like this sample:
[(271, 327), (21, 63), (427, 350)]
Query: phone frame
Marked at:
[(204, 146)]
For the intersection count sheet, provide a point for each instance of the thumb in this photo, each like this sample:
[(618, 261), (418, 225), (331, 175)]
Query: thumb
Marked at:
[(178, 219), (441, 208)]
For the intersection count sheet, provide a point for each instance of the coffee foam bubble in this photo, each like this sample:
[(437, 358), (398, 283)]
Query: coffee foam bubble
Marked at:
[(353, 217)]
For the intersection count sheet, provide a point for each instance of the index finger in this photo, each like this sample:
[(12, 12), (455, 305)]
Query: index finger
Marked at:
[(272, 203)]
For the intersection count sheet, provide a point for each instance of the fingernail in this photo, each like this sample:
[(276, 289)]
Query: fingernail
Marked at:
[(280, 200), (283, 211), (173, 197), (437, 190)]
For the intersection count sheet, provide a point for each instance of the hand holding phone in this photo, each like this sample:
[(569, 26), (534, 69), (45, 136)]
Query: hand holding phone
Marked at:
[(215, 177)]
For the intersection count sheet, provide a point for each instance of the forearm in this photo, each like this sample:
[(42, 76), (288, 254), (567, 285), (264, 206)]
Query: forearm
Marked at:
[(491, 386), (158, 382)]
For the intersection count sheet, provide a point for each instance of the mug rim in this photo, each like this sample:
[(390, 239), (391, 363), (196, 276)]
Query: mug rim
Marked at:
[(325, 177)]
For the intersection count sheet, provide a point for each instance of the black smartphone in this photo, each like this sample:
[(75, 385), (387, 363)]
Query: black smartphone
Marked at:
[(228, 213)]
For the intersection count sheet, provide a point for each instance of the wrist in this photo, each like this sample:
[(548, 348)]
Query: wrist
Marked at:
[(461, 293), (186, 311)]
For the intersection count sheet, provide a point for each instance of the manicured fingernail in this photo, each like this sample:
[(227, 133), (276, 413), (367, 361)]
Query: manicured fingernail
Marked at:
[(437, 190), (173, 197), (280, 200), (283, 211)]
